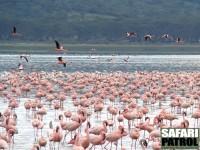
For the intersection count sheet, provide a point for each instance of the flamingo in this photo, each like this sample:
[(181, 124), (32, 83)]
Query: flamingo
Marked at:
[(120, 117), (135, 134), (132, 34), (178, 40), (76, 145), (56, 136), (20, 67), (25, 57), (60, 61), (11, 130), (3, 144), (126, 60), (196, 116), (7, 137), (170, 117), (42, 142), (156, 145), (114, 137), (97, 129), (14, 33), (98, 139), (72, 126), (58, 46), (166, 36), (154, 134), (148, 37), (84, 141)]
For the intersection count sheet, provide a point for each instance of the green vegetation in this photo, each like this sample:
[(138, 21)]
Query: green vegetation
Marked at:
[(99, 21), (133, 49)]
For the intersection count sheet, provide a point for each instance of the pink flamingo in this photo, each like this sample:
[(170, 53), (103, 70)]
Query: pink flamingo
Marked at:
[(98, 128), (83, 140), (98, 139), (3, 144), (72, 126), (114, 137), (135, 134), (76, 145), (57, 136), (196, 116), (42, 141)]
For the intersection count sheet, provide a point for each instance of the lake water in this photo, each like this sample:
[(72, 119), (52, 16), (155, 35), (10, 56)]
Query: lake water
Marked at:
[(167, 63), (95, 63)]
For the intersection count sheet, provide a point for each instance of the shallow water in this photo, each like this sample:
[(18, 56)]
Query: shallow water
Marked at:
[(163, 63)]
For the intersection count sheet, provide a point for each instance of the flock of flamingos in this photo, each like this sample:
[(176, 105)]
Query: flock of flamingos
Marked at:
[(106, 109)]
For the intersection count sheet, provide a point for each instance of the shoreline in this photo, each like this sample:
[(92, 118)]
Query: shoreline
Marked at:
[(102, 49)]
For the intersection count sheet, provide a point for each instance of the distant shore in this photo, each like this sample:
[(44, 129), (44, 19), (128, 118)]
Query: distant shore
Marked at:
[(110, 49)]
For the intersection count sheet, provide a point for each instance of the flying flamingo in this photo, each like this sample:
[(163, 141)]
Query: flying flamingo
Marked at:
[(20, 67), (166, 36), (25, 57), (14, 33), (60, 61), (132, 34), (178, 40), (58, 46), (148, 37), (126, 59)]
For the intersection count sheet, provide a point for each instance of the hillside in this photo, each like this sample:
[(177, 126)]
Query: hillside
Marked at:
[(99, 21)]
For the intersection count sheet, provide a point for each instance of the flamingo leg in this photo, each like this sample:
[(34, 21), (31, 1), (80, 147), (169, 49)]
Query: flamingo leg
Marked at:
[(135, 143), (91, 147), (132, 144), (107, 144)]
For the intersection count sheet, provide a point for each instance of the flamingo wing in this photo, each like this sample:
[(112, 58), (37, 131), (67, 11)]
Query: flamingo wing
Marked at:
[(26, 59), (133, 33), (14, 30), (57, 44)]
